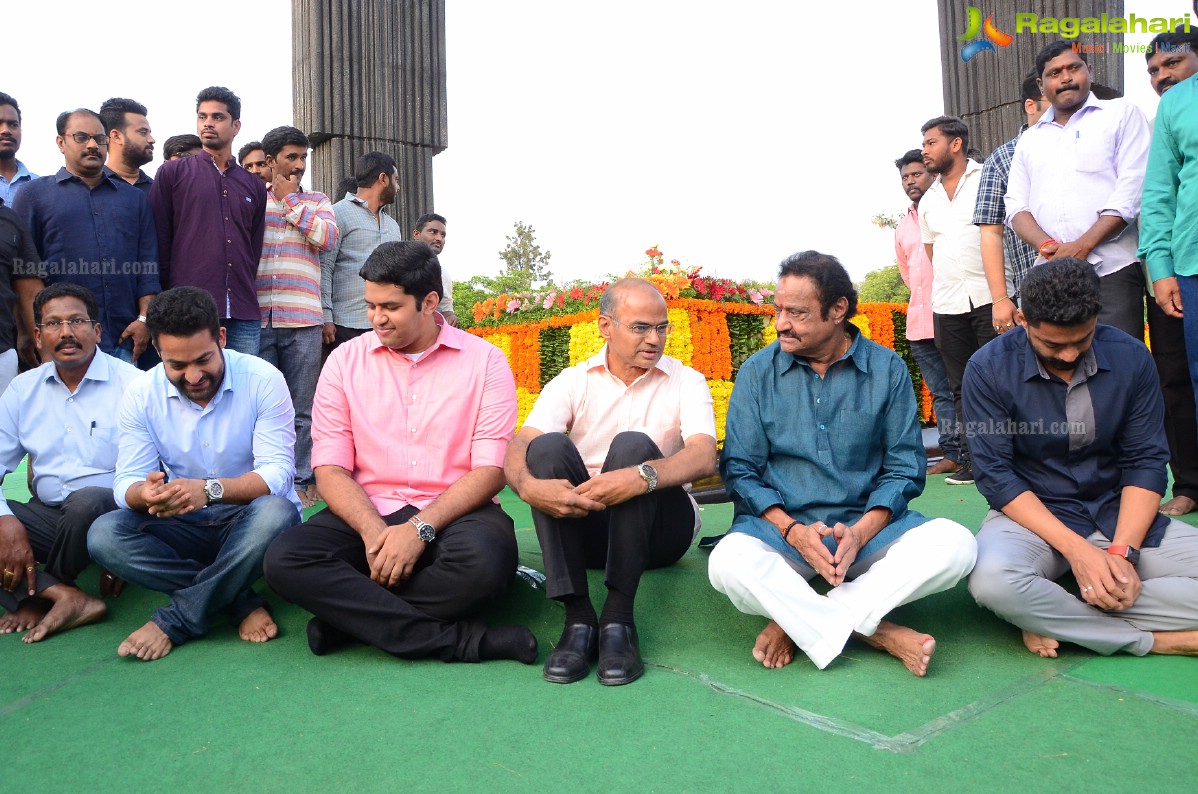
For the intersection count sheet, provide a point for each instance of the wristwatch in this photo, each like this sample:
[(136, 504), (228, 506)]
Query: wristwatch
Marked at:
[(648, 474), (214, 491), (424, 530), (1129, 553)]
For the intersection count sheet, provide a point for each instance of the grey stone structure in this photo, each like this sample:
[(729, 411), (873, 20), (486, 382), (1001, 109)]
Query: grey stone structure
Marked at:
[(369, 75), (985, 91)]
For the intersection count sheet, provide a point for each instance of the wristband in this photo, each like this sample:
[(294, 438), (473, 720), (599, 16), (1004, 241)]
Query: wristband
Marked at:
[(789, 527), (1046, 243)]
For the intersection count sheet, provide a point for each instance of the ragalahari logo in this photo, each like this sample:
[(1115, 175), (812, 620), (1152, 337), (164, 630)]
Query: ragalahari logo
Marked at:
[(982, 36)]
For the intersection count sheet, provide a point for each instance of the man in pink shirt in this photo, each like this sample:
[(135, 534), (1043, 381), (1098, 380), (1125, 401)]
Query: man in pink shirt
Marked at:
[(916, 270), (409, 428), (611, 493)]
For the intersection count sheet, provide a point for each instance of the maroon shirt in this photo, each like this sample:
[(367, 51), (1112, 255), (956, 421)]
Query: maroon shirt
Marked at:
[(210, 228)]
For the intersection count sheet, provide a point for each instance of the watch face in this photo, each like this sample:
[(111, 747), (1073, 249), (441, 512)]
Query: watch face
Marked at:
[(649, 470), (425, 532)]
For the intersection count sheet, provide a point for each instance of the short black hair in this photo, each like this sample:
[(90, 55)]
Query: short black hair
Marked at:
[(182, 311), (1177, 41), (65, 116), (408, 264), (1030, 88), (249, 147), (950, 126), (180, 143), (274, 141), (831, 279), (218, 93), (348, 184), (429, 217), (912, 156), (1053, 50), (65, 289), (370, 165), (112, 112), (1061, 291), (7, 99)]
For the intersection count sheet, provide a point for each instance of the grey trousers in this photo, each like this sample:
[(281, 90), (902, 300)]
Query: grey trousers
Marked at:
[(1015, 578), (296, 353)]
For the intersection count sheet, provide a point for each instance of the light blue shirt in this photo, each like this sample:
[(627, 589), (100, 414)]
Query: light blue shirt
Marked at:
[(70, 438), (249, 425), (8, 190)]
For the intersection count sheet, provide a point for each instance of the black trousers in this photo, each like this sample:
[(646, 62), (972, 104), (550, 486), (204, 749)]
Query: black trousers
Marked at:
[(1172, 367), (959, 336), (649, 531), (321, 566), (58, 536), (1122, 296)]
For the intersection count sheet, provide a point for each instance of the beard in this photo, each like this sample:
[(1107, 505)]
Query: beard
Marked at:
[(136, 158)]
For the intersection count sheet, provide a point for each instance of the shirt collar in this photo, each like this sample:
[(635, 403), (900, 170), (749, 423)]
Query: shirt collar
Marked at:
[(99, 369), (64, 175), (786, 361), (599, 361), (1093, 359), (1092, 101), (447, 337)]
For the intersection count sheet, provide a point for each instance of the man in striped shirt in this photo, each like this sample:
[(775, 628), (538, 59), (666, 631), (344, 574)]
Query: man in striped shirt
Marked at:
[(299, 227)]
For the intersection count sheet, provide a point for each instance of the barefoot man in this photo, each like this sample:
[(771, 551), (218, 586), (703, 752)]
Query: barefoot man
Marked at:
[(822, 455), (1068, 428), (204, 474), (63, 415)]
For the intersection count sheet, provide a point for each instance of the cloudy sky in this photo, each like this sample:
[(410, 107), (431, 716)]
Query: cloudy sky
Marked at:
[(727, 135)]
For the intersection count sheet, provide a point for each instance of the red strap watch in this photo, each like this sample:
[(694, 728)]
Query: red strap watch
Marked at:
[(1129, 553)]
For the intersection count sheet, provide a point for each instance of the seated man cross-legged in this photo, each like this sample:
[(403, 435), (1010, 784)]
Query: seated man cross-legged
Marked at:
[(1070, 452), (220, 425), (822, 455)]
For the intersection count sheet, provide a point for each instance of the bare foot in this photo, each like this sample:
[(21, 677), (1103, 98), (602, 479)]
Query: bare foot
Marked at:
[(1179, 506), (26, 616), (1045, 647), (147, 643), (914, 649), (774, 648), (313, 494), (72, 607), (258, 626), (1175, 643), (304, 499)]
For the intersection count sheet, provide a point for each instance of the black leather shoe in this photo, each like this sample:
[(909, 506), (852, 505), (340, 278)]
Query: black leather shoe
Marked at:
[(619, 655), (571, 660)]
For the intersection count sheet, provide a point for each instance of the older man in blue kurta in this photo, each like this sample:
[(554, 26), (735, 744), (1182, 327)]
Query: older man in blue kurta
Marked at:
[(822, 456)]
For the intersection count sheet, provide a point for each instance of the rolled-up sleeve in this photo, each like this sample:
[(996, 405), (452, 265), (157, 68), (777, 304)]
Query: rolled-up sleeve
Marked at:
[(496, 422), (137, 454), (274, 434), (332, 430), (1018, 181)]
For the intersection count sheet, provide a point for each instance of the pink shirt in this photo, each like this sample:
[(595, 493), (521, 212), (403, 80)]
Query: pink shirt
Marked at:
[(916, 271), (406, 430), (669, 403)]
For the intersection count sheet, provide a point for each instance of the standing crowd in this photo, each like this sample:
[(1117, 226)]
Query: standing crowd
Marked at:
[(177, 420)]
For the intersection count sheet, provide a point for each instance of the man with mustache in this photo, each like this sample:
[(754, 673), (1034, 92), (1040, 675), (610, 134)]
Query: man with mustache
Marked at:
[(1165, 226), (204, 479), (1074, 187), (605, 460), (300, 226), (916, 270), (93, 228), (1070, 447), (130, 142), (63, 416), (253, 159), (430, 228), (210, 214), (13, 173)]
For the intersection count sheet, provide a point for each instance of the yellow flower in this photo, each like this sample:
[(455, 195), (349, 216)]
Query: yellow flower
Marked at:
[(769, 334), (721, 391), (585, 341), (525, 400), (503, 342), (862, 322), (678, 343)]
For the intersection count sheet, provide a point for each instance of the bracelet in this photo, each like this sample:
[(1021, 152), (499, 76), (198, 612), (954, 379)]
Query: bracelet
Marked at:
[(1003, 298), (1047, 242), (789, 527)]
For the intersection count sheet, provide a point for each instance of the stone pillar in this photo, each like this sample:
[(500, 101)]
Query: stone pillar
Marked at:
[(369, 75), (985, 91)]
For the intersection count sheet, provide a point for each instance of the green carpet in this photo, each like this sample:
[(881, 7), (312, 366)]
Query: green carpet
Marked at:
[(219, 713)]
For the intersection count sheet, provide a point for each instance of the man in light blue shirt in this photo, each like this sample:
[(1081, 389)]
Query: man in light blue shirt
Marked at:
[(204, 476), (62, 415), (13, 173)]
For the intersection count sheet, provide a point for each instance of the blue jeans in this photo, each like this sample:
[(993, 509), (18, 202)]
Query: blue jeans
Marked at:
[(1188, 286), (931, 367), (244, 336), (296, 353), (207, 561)]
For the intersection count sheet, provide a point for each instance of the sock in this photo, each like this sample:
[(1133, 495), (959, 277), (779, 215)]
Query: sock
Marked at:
[(508, 642), (323, 637), (618, 608), (579, 610)]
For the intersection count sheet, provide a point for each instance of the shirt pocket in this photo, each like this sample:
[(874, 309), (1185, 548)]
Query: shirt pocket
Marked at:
[(102, 443), (1092, 152), (854, 438)]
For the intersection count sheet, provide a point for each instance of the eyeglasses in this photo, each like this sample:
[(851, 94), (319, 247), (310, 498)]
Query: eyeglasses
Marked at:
[(82, 138), (643, 329), (76, 324)]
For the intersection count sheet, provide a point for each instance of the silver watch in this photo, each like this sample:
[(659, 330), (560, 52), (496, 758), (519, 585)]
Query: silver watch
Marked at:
[(424, 530), (214, 491), (648, 474)]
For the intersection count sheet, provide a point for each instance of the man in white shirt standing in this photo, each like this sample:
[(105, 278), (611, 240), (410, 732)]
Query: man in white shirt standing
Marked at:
[(963, 291), (1074, 188)]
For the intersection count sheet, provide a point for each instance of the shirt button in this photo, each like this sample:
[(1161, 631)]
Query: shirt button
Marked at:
[(205, 443), (823, 427), (70, 399), (413, 463), (818, 400), (68, 429)]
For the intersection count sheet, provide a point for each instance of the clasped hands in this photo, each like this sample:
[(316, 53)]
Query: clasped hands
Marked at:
[(560, 499), (175, 498), (1106, 581), (808, 540)]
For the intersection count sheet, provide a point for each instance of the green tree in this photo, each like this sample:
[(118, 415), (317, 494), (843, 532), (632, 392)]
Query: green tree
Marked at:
[(884, 286), (526, 266)]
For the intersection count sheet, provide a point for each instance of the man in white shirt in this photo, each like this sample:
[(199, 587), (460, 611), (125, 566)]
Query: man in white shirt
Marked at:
[(1074, 188), (611, 493), (62, 415), (963, 291)]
